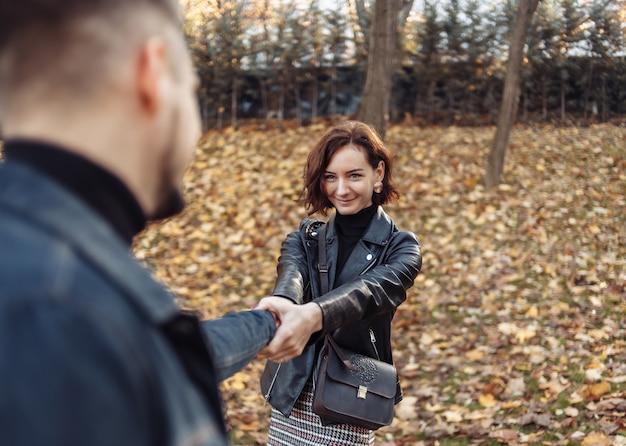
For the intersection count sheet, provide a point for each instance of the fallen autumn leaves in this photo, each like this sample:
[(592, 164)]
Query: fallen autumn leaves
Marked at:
[(515, 329)]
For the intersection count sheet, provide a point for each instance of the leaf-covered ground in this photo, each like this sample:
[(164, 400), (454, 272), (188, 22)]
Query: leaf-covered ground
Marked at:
[(514, 332)]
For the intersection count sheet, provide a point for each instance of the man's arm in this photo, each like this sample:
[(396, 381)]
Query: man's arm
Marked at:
[(236, 338)]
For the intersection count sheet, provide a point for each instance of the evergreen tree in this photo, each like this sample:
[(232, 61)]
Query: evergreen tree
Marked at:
[(478, 41), (571, 36), (542, 55), (428, 61), (335, 46), (605, 39)]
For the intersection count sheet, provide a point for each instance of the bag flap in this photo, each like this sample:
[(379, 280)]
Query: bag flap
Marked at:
[(378, 376)]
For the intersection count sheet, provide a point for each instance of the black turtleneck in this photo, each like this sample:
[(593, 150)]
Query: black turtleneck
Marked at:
[(98, 188), (350, 229)]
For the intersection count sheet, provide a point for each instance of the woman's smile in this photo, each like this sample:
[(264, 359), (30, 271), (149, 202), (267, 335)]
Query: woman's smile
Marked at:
[(349, 180)]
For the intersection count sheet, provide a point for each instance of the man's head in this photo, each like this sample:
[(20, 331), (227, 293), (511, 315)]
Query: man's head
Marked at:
[(110, 79)]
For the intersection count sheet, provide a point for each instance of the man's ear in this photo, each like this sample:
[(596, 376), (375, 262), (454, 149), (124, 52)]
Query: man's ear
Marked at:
[(151, 67)]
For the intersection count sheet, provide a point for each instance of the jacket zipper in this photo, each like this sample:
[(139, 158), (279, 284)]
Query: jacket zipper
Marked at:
[(269, 390), (373, 341), (372, 337), (316, 369)]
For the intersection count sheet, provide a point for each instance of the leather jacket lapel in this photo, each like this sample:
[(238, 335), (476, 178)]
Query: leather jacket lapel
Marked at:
[(361, 259), (364, 255)]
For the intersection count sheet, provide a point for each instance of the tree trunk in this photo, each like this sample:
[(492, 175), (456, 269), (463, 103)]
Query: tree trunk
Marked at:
[(510, 95), (562, 99), (374, 107), (263, 85), (281, 101), (431, 101), (333, 92), (544, 98), (220, 115), (296, 95), (605, 107), (525, 97), (205, 112), (233, 104), (588, 88), (314, 97)]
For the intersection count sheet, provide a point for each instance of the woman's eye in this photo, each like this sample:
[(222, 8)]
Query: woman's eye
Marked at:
[(329, 177)]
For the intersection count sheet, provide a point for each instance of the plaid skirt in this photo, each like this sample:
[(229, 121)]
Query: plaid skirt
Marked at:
[(304, 428)]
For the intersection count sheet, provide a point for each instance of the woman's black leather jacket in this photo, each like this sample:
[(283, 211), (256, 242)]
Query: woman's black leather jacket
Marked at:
[(361, 304)]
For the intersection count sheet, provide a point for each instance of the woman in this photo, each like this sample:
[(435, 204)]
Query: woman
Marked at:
[(371, 265)]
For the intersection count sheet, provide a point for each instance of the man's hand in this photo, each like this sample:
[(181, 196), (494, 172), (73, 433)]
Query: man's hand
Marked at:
[(296, 324)]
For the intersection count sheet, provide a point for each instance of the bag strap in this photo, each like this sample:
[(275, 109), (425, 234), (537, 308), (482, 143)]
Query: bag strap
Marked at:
[(322, 265), (328, 340)]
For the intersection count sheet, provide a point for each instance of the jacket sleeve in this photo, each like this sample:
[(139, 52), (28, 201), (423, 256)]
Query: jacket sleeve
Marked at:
[(236, 338), (379, 290), (292, 268)]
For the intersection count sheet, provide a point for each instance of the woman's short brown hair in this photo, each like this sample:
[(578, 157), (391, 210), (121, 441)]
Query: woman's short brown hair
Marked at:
[(353, 133)]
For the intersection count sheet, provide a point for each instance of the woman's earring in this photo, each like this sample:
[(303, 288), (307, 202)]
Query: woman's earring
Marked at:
[(378, 187)]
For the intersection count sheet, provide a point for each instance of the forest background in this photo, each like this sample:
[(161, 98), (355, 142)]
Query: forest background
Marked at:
[(514, 332), (302, 59)]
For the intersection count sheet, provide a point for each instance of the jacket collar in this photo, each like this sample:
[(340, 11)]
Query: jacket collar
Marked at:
[(365, 254), (62, 215), (378, 232)]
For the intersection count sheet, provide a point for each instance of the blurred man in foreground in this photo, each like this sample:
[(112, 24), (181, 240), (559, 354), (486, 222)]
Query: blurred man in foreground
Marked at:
[(99, 120)]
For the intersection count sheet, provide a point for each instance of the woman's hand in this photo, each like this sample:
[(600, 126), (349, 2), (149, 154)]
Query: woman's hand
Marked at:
[(295, 323)]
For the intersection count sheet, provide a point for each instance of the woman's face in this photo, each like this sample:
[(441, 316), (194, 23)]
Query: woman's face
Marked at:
[(349, 180)]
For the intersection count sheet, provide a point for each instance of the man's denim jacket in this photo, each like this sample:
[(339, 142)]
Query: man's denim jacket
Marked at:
[(93, 351)]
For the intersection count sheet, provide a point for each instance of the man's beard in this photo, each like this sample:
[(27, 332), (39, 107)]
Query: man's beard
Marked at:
[(172, 204), (169, 196)]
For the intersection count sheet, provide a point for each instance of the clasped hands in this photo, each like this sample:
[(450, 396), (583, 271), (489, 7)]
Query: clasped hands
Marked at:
[(295, 325)]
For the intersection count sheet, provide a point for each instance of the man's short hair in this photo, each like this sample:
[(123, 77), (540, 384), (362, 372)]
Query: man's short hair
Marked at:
[(17, 16), (69, 44)]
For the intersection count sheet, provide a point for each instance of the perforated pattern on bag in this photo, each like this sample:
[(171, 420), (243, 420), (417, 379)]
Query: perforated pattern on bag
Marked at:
[(366, 370)]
